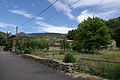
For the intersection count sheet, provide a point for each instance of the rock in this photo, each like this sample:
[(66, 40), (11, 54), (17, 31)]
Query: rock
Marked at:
[(58, 65)]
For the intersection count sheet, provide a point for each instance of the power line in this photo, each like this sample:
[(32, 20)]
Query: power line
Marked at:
[(39, 13), (56, 13), (60, 11)]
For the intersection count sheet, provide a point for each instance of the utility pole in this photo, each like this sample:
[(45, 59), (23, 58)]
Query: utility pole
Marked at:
[(16, 38)]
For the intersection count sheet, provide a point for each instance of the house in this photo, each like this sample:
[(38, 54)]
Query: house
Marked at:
[(113, 43)]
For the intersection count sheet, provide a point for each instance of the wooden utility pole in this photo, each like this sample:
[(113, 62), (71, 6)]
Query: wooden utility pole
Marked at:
[(16, 38)]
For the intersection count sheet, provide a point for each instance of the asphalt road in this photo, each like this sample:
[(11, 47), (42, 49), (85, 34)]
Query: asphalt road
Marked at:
[(15, 67)]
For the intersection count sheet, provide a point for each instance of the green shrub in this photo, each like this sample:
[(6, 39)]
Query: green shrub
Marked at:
[(27, 51), (2, 40), (10, 45), (69, 58), (61, 52)]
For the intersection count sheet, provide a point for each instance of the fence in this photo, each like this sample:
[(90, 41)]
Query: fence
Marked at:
[(103, 68)]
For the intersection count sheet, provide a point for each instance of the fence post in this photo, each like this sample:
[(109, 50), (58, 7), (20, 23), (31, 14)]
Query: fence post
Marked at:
[(111, 73), (98, 65), (80, 62)]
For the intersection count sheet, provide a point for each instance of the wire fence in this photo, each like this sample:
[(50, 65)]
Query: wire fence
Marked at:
[(103, 68)]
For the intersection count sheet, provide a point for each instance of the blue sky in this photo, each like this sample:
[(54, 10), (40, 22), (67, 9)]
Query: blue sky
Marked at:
[(16, 12)]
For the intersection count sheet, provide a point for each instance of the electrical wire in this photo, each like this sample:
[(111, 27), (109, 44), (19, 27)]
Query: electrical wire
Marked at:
[(56, 13), (39, 13), (59, 12)]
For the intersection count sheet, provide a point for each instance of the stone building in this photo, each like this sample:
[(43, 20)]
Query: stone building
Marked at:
[(113, 43)]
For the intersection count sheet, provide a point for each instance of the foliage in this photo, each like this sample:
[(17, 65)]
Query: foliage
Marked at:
[(3, 34), (64, 44), (33, 44), (92, 34), (69, 58), (114, 29), (10, 45), (61, 52), (41, 35), (71, 34), (44, 44), (2, 40), (19, 44), (27, 51)]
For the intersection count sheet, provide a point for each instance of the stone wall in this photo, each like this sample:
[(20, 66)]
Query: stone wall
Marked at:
[(58, 65)]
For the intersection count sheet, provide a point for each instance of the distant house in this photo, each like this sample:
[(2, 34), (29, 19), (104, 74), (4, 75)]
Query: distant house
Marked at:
[(47, 37), (113, 43), (70, 41), (56, 40)]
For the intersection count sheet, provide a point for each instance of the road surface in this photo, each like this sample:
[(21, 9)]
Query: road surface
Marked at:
[(15, 67)]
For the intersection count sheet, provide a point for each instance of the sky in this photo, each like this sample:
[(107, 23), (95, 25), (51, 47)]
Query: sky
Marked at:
[(16, 12)]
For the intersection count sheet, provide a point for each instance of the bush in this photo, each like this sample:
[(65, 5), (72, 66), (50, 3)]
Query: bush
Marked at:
[(2, 41), (69, 58), (27, 51), (10, 45), (61, 52)]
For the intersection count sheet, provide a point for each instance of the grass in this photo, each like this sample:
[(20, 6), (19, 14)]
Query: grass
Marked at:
[(52, 56), (108, 55), (112, 55)]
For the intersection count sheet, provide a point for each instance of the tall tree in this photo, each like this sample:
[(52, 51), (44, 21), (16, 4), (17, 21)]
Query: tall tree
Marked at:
[(92, 34), (114, 29)]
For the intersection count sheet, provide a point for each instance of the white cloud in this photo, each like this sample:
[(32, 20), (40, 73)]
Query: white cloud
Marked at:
[(24, 13), (108, 14), (105, 9), (100, 3), (84, 15), (4, 25), (62, 6), (53, 29)]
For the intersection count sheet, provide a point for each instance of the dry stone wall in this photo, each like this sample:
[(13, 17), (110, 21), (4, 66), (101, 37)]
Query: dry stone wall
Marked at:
[(58, 65)]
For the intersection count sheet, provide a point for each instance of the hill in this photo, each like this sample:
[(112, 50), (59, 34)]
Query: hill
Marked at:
[(40, 35), (2, 33)]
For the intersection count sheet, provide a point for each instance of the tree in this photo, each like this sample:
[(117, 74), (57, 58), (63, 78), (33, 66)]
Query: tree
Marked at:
[(71, 34), (114, 29), (34, 44), (64, 44), (92, 34), (44, 44)]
